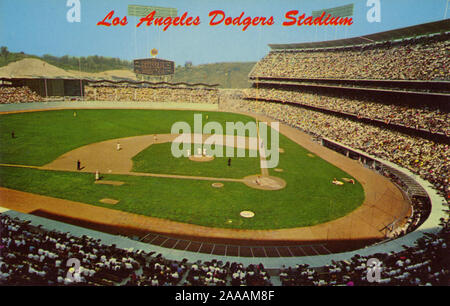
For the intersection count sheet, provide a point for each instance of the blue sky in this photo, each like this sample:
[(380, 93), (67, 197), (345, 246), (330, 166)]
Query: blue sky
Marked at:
[(40, 27)]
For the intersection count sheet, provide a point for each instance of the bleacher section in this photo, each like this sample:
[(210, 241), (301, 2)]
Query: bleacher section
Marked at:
[(423, 58), (108, 92)]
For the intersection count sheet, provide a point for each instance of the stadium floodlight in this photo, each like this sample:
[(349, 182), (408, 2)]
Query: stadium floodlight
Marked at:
[(340, 11), (143, 11), (446, 9)]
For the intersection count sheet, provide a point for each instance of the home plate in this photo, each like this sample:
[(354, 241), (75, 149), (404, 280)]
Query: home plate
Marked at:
[(247, 214), (109, 201)]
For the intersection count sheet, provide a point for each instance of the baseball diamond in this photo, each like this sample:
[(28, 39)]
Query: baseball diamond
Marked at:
[(239, 145)]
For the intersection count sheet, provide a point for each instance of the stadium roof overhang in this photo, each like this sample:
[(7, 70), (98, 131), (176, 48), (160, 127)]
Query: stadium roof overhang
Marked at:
[(442, 26)]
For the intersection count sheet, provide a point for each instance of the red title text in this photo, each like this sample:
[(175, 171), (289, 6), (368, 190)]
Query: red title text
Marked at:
[(218, 17)]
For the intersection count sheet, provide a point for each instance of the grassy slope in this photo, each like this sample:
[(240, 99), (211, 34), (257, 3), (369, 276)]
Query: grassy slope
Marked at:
[(88, 64), (308, 199), (228, 75)]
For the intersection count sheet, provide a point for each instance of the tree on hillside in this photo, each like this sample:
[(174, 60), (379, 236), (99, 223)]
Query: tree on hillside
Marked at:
[(4, 52)]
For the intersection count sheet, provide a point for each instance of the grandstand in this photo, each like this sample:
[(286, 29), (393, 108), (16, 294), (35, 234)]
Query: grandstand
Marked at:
[(381, 101), (378, 78), (38, 89), (153, 92), (384, 95), (359, 87)]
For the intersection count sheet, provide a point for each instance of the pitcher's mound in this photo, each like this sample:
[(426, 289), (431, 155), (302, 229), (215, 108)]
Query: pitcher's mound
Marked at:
[(264, 182), (201, 158), (217, 185)]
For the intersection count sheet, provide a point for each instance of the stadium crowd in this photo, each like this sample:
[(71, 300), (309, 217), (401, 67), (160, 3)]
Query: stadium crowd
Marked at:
[(147, 94), (425, 118), (30, 255), (425, 264), (415, 59), (159, 271), (18, 95)]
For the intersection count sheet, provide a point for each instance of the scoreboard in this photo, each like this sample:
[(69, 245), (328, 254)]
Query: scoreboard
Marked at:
[(154, 66), (142, 11)]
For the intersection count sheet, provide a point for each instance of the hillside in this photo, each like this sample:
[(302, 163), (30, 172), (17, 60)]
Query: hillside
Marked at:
[(93, 63), (21, 65), (228, 75), (32, 67)]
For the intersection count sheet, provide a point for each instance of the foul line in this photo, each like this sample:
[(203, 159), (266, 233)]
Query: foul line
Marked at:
[(262, 153), (19, 166), (186, 177)]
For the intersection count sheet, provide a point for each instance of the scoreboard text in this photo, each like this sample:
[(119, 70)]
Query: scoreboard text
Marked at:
[(154, 66)]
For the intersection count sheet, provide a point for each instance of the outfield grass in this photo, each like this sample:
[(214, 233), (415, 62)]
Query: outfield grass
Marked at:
[(43, 136), (159, 159), (309, 197)]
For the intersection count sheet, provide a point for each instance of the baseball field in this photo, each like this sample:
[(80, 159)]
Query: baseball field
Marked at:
[(146, 179)]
